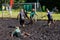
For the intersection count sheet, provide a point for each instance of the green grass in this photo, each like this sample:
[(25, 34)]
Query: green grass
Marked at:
[(40, 14)]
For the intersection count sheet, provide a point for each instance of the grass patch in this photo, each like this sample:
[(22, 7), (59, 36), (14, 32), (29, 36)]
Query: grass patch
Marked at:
[(40, 14)]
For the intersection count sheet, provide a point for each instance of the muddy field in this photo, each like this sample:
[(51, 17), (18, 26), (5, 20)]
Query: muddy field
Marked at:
[(38, 31)]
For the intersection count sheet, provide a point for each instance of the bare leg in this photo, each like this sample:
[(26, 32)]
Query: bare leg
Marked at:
[(49, 22), (25, 34)]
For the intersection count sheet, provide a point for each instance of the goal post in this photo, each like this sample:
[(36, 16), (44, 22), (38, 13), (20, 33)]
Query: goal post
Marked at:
[(26, 6)]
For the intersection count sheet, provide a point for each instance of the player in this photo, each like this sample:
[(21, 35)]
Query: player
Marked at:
[(22, 15), (17, 33), (32, 16), (49, 15), (10, 11)]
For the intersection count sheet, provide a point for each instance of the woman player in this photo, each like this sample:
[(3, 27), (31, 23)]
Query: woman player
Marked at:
[(32, 16), (49, 16), (50, 19), (22, 15), (18, 33)]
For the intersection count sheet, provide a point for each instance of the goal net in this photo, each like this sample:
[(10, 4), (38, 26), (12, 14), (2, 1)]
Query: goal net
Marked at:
[(25, 6)]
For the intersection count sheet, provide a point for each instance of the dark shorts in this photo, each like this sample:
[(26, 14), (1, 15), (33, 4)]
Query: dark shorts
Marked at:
[(21, 21), (31, 20), (50, 20)]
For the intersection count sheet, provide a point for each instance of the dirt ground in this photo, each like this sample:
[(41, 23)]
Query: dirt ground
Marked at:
[(38, 31)]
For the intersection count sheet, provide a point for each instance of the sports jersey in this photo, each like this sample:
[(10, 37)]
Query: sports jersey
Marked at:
[(22, 15), (49, 15), (32, 14)]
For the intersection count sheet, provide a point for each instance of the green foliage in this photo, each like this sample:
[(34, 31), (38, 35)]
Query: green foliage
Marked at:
[(15, 1)]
